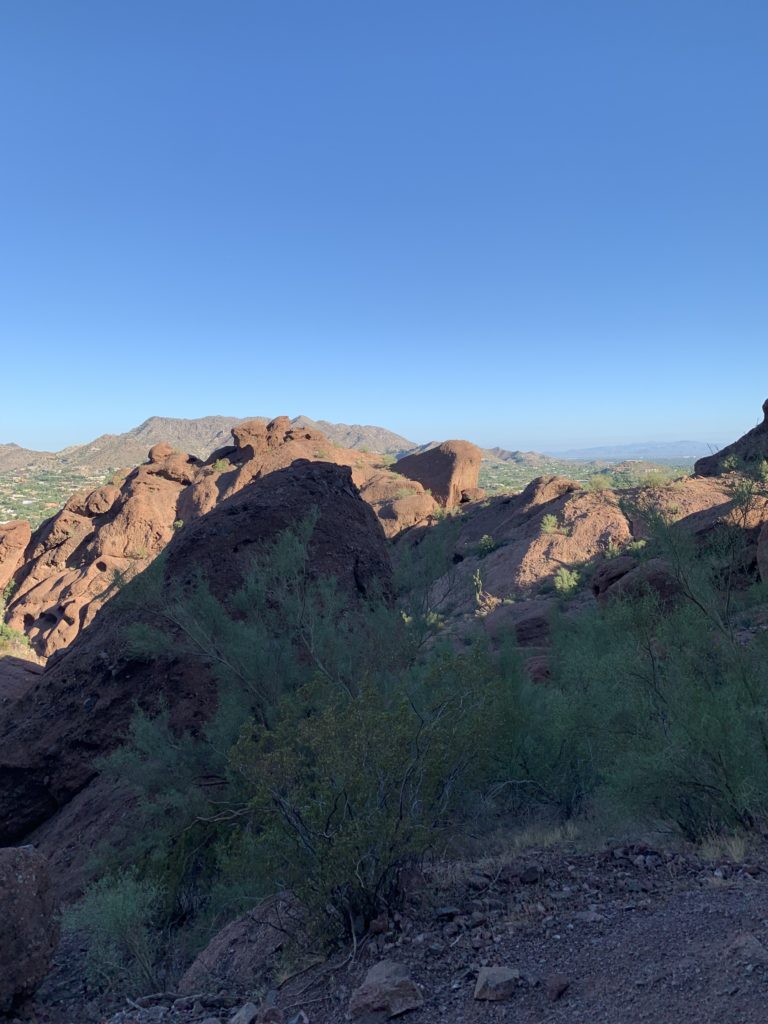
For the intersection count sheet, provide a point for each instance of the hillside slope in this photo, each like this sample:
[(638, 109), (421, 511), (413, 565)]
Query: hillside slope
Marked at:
[(13, 456)]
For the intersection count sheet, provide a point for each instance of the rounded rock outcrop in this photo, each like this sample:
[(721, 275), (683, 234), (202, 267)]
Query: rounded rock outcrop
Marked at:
[(160, 452), (445, 471)]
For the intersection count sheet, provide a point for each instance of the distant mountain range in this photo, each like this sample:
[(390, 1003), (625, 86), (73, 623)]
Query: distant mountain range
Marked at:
[(652, 451), (516, 457), (203, 435), (197, 436)]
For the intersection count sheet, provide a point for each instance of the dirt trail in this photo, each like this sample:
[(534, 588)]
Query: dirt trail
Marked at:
[(638, 934)]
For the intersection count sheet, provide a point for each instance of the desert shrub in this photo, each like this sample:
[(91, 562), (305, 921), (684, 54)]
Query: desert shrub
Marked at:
[(612, 549), (550, 523), (599, 482), (9, 637), (655, 479), (351, 793), (277, 630), (426, 581), (118, 919), (486, 545), (566, 581), (221, 465), (637, 547), (667, 706)]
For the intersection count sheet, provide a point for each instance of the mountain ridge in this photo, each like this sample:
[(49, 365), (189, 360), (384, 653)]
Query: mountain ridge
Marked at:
[(197, 436), (638, 450)]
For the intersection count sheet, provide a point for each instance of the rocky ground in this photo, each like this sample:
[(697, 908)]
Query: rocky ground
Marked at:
[(632, 933)]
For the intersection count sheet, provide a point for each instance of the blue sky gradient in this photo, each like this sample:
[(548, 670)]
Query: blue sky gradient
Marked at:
[(533, 223)]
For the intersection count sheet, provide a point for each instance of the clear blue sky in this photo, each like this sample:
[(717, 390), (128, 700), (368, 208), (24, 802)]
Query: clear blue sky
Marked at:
[(534, 223)]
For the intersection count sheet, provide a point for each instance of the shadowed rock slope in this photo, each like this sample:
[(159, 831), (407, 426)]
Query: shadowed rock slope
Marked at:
[(80, 707), (751, 448)]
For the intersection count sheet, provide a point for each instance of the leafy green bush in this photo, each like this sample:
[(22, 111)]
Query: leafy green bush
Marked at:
[(486, 545), (566, 581), (668, 704), (600, 481), (9, 637), (118, 919), (221, 465), (637, 547), (351, 793), (668, 719), (550, 523)]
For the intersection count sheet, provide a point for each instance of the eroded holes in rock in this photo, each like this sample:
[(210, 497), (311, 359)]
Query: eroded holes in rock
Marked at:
[(49, 619), (101, 566)]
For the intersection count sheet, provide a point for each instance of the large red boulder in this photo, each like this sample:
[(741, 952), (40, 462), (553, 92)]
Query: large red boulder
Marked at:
[(28, 926), (445, 471)]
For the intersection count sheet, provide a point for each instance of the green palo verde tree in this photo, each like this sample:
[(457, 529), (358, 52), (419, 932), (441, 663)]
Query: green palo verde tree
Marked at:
[(667, 702), (347, 741)]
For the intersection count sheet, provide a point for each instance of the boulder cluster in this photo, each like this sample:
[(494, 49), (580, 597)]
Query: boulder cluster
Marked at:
[(69, 567)]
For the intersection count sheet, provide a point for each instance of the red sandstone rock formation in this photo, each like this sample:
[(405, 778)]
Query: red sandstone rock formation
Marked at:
[(80, 707), (444, 471), (76, 561)]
